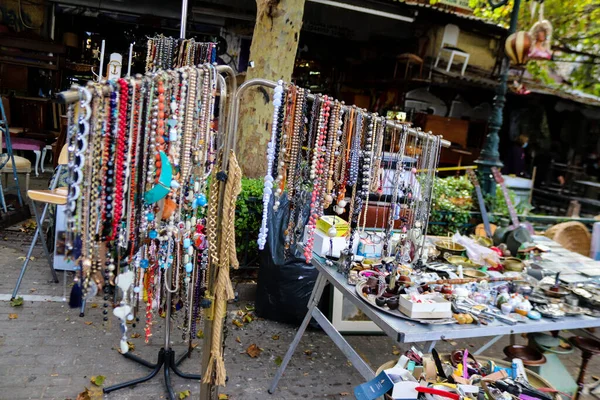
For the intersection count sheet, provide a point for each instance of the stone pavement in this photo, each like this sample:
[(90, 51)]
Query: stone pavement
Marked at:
[(49, 352)]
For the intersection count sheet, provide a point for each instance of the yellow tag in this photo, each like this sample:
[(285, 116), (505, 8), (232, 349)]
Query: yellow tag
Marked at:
[(209, 313)]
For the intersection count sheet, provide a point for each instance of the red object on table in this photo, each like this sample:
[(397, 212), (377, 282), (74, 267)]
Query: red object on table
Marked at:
[(443, 393), (497, 250)]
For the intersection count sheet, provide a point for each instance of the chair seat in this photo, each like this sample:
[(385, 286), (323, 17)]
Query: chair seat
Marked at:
[(410, 57), (23, 165), (57, 196), (456, 49)]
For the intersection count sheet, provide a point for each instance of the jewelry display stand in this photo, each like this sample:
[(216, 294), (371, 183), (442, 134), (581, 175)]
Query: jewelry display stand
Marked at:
[(166, 359), (166, 355)]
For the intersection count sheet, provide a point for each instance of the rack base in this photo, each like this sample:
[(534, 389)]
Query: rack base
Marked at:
[(166, 359)]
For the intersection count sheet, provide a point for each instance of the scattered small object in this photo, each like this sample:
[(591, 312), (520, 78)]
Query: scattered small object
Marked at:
[(253, 350), (98, 380), (16, 302)]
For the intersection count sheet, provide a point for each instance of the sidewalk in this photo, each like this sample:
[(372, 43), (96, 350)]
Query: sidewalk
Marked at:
[(49, 352)]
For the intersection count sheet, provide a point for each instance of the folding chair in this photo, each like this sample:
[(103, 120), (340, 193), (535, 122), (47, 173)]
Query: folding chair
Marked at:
[(55, 196)]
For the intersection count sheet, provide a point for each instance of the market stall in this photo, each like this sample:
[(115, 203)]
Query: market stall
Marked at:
[(330, 169)]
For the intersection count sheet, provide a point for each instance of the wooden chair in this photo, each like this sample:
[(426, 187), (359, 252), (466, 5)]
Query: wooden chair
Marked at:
[(449, 43), (55, 196)]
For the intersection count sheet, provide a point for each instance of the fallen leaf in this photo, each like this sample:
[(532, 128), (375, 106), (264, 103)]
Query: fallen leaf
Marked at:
[(194, 345), (131, 345), (200, 334), (32, 258), (348, 363), (33, 290), (94, 305), (249, 308), (85, 395), (396, 352), (53, 374), (240, 313), (275, 337), (16, 302), (305, 374), (223, 396), (13, 316), (237, 323), (237, 339), (247, 318), (278, 361), (343, 394), (135, 335), (98, 380), (184, 394), (253, 350), (308, 352), (88, 322)]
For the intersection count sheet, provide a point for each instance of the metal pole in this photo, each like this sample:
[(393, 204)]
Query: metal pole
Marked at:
[(489, 156), (184, 11), (130, 57), (101, 70)]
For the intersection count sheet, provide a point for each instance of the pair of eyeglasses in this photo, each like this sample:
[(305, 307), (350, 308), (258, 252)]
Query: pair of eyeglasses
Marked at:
[(373, 237)]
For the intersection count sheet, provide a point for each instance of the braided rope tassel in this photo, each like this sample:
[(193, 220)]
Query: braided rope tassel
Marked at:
[(223, 287)]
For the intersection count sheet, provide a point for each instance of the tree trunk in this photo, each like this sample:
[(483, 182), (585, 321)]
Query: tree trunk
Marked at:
[(273, 52)]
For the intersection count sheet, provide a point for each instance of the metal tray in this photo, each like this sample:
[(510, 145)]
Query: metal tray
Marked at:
[(398, 313)]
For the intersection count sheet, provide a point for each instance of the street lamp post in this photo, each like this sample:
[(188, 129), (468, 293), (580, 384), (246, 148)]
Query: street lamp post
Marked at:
[(489, 156)]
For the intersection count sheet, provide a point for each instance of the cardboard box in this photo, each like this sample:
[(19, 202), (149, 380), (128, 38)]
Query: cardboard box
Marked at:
[(433, 306), (323, 245)]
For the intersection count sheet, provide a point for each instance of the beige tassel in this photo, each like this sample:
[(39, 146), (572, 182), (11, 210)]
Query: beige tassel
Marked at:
[(216, 373)]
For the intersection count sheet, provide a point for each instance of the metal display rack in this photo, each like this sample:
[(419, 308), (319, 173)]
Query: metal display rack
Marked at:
[(166, 358)]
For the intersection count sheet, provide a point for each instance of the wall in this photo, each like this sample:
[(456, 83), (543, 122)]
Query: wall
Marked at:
[(32, 16), (482, 48)]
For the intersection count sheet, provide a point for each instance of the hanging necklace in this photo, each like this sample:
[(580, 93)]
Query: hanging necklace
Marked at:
[(268, 186), (316, 174)]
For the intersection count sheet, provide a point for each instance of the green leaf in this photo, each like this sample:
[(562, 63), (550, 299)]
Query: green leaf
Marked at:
[(16, 302), (184, 394), (278, 361), (98, 380)]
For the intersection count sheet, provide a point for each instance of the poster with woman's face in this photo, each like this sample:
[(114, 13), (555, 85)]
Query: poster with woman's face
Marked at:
[(541, 33)]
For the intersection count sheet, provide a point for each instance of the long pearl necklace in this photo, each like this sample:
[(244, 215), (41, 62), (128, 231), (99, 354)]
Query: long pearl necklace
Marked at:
[(268, 185)]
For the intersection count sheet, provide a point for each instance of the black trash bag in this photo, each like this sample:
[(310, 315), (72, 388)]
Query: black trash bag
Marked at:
[(284, 285)]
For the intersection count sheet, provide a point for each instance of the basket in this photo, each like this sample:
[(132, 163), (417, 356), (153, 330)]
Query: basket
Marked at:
[(573, 236)]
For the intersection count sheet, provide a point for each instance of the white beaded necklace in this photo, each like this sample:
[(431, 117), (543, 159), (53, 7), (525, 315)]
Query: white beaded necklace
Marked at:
[(268, 187)]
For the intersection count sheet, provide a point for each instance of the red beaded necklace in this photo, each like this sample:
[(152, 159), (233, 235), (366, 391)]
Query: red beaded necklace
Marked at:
[(120, 157)]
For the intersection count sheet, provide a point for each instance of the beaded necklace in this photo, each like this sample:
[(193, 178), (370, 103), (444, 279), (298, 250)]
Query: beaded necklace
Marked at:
[(317, 170), (268, 180)]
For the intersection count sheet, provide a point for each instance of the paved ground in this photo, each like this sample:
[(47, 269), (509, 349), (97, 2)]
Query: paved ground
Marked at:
[(49, 352)]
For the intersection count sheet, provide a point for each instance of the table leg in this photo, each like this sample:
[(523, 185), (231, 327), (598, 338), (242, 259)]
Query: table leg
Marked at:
[(428, 346), (488, 345), (37, 161), (361, 366), (43, 159), (585, 359), (312, 304)]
